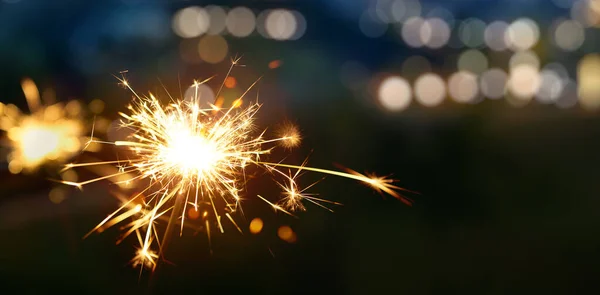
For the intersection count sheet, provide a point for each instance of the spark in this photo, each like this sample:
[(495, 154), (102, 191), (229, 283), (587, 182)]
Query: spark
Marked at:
[(198, 157), (48, 134)]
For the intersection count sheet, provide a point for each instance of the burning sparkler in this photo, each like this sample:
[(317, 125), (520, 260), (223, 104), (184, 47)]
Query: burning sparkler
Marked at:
[(197, 157), (49, 134)]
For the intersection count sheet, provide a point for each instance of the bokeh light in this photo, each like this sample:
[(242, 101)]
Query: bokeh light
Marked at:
[(471, 32), (430, 90), (524, 58), (493, 83), (217, 16), (191, 22), (462, 87), (588, 75), (280, 24), (213, 48), (494, 35), (394, 93), (568, 35), (551, 87), (523, 83), (473, 61), (240, 21), (411, 32), (435, 33), (522, 34)]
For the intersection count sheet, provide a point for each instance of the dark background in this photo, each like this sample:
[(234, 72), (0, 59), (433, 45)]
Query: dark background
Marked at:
[(508, 202)]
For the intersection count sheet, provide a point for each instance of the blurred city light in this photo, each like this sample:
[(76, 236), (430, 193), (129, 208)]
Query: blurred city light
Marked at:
[(240, 21), (191, 22), (588, 75), (395, 93), (430, 90), (462, 87)]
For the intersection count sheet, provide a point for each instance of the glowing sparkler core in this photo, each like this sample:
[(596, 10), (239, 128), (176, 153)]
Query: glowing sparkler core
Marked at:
[(198, 157), (49, 133)]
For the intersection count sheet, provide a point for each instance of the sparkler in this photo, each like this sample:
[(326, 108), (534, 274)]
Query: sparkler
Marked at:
[(49, 134), (196, 158)]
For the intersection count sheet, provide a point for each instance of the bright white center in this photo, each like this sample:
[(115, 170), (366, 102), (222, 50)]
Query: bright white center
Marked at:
[(191, 153)]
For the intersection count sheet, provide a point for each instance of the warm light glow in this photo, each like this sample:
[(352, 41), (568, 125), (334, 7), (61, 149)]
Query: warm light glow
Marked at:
[(462, 87), (588, 75), (280, 24), (522, 34), (287, 234), (523, 83), (256, 225), (191, 22), (394, 93), (198, 157), (213, 49), (430, 90), (49, 134)]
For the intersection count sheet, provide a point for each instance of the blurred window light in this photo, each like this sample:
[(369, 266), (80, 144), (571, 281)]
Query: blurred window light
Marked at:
[(402, 10), (394, 93), (371, 26), (568, 35), (551, 87), (494, 35), (430, 90), (524, 58), (493, 83), (411, 32), (435, 33), (462, 87), (522, 34), (280, 24), (212, 48), (240, 21), (473, 61), (191, 22), (588, 75), (217, 16), (524, 82), (471, 32)]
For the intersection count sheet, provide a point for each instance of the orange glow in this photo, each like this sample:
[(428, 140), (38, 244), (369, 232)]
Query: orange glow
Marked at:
[(287, 234), (230, 82), (256, 225), (193, 213), (275, 64)]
